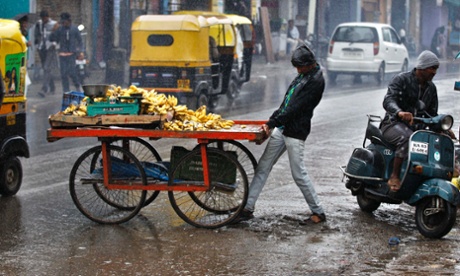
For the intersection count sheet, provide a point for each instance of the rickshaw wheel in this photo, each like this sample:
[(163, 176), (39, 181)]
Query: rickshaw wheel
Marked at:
[(244, 157), (232, 90), (97, 202), (213, 102), (202, 99), (223, 201), (144, 152), (11, 176)]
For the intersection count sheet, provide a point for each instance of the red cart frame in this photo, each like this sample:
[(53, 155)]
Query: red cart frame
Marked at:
[(242, 130)]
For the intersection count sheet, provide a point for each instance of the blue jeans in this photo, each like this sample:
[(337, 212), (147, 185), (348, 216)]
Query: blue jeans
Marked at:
[(277, 145)]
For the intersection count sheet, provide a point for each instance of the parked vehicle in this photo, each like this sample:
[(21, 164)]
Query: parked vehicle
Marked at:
[(174, 54), (360, 48), (13, 142), (426, 175)]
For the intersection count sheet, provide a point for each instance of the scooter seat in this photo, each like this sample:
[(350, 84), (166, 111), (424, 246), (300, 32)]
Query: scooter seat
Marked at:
[(374, 134)]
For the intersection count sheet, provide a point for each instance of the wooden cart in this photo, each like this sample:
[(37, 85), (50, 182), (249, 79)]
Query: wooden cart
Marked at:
[(207, 186)]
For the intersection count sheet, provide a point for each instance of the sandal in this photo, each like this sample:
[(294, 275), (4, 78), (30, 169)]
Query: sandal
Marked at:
[(394, 184), (314, 219)]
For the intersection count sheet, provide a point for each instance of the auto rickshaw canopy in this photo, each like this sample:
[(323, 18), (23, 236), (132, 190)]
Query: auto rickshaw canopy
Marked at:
[(165, 39)]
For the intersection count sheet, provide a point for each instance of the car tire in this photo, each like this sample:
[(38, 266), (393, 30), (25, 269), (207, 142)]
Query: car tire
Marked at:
[(380, 75), (405, 66), (331, 76)]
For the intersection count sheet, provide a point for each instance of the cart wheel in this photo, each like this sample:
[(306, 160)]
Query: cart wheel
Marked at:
[(245, 158), (10, 176), (144, 152), (97, 202), (222, 201)]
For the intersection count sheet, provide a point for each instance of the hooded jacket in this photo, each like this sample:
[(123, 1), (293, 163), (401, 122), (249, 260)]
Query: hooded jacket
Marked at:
[(295, 118), (403, 95)]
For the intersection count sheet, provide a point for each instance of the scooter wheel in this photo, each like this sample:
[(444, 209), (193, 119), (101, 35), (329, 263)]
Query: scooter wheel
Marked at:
[(435, 217), (367, 204)]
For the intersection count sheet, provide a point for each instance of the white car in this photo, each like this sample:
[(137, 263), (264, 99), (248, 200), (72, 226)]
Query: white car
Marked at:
[(365, 48)]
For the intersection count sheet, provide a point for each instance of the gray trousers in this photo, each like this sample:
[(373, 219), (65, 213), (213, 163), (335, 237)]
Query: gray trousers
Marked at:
[(398, 134)]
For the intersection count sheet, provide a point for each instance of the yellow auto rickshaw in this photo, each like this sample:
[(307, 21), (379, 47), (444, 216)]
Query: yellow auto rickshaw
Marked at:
[(13, 143), (173, 54), (244, 32)]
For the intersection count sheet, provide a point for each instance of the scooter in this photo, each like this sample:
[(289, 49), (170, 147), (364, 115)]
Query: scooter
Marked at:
[(425, 174)]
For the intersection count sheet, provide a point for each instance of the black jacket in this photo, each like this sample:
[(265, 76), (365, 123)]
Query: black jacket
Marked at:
[(296, 118), (69, 39), (403, 95)]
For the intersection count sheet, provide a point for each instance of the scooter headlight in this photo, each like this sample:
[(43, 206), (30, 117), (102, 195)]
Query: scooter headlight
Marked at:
[(447, 122)]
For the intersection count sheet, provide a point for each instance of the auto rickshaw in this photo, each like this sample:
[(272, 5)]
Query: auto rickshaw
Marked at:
[(244, 48), (13, 143), (173, 54), (246, 31)]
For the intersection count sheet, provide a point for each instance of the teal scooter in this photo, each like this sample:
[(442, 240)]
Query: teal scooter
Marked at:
[(425, 176)]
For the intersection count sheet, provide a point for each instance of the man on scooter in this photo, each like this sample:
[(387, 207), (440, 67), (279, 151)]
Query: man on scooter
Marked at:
[(401, 104)]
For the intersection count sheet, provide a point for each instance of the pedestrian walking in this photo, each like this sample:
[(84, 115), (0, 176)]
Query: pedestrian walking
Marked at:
[(70, 44), (288, 128), (438, 42), (46, 51)]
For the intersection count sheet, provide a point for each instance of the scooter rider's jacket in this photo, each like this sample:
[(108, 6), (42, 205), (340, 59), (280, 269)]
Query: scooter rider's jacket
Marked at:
[(295, 117), (403, 94)]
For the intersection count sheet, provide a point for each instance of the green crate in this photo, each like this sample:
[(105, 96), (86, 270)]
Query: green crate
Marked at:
[(193, 170), (102, 108)]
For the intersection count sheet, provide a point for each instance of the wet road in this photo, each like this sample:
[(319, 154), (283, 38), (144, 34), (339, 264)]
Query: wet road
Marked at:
[(42, 233)]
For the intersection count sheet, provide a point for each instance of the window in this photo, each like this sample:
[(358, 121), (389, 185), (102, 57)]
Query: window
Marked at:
[(160, 40), (386, 35), (356, 34)]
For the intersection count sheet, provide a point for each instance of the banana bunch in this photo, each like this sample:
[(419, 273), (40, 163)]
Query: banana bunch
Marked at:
[(155, 103), (189, 120), (76, 110)]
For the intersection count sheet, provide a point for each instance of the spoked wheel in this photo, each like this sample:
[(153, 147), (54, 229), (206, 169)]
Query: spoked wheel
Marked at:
[(144, 152), (97, 202), (224, 199), (367, 204), (244, 157), (435, 217), (10, 176)]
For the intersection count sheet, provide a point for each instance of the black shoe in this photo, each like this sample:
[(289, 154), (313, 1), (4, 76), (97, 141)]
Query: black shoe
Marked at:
[(41, 94), (314, 219), (243, 216)]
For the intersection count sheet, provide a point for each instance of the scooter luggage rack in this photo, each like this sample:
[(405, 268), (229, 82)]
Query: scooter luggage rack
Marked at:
[(343, 168)]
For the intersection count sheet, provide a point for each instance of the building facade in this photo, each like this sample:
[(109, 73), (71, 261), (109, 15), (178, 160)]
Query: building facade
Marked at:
[(108, 22)]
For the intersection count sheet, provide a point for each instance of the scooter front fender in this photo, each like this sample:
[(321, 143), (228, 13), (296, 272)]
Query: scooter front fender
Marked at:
[(436, 187)]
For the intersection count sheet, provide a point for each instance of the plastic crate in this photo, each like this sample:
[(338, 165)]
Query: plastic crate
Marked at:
[(193, 170), (103, 108), (72, 97)]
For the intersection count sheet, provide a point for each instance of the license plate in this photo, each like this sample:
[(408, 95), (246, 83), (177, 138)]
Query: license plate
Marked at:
[(183, 83), (419, 147), (350, 54)]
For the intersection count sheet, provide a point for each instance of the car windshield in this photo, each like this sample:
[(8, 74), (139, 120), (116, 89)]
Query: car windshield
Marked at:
[(355, 34)]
